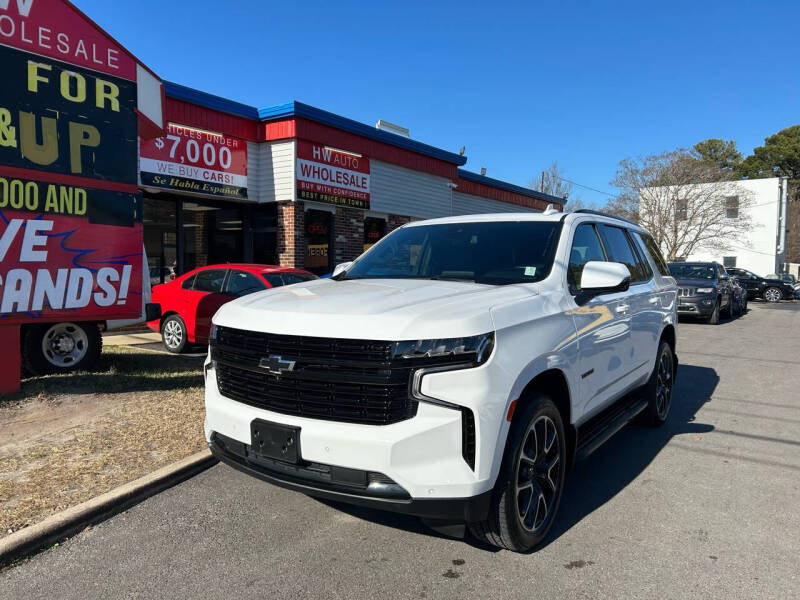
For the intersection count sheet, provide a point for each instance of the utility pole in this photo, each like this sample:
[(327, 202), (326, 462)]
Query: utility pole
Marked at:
[(541, 187)]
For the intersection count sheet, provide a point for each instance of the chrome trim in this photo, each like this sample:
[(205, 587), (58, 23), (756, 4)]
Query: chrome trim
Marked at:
[(415, 386)]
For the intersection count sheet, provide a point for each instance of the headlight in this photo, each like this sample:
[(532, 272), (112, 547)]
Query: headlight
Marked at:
[(708, 290), (475, 350)]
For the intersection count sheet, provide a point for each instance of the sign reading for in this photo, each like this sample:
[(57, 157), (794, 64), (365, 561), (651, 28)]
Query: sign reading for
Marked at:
[(60, 118), (193, 160), (333, 176)]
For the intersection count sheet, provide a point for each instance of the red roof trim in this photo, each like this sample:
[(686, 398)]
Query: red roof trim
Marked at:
[(183, 113), (485, 191)]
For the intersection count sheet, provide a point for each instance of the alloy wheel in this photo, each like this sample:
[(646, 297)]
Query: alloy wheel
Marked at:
[(772, 295), (173, 334), (538, 474), (664, 382)]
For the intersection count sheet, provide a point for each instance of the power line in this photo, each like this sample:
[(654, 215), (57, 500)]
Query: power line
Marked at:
[(585, 186)]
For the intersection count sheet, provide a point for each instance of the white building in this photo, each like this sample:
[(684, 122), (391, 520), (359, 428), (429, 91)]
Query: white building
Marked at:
[(762, 250)]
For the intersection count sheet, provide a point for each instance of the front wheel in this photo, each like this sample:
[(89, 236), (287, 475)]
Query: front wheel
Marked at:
[(528, 488), (61, 347), (713, 318), (773, 294)]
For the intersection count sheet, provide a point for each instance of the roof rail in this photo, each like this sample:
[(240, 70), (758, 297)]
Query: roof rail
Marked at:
[(600, 213)]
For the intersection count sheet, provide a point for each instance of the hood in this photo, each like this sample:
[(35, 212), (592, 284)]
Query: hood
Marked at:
[(391, 309), (697, 282)]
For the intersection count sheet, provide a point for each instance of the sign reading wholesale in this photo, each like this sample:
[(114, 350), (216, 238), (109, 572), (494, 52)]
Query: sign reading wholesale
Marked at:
[(192, 160), (330, 175), (70, 215)]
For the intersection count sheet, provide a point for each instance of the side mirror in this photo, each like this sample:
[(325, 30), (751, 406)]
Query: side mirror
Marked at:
[(600, 278), (341, 268)]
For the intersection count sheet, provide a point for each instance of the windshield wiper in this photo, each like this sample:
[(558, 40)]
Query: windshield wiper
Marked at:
[(446, 278)]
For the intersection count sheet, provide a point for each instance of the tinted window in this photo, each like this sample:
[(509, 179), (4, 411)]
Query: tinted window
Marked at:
[(290, 278), (620, 250), (209, 280), (585, 247), (273, 279), (187, 285), (692, 271), (497, 253), (654, 252), (241, 283)]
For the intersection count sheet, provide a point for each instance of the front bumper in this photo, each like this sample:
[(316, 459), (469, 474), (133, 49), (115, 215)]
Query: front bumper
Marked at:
[(698, 306), (422, 455), (325, 484)]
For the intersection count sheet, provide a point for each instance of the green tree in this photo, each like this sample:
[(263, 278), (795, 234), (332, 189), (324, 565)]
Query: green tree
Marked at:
[(778, 157), (722, 153)]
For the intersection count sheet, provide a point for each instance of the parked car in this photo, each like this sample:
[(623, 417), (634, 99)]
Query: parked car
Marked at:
[(739, 297), (771, 289), (188, 302), (705, 290), (455, 371)]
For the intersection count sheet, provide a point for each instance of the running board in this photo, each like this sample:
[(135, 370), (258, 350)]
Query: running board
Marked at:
[(597, 430)]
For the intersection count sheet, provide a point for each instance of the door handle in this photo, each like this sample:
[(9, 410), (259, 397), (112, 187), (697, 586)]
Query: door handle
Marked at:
[(623, 308), (653, 300)]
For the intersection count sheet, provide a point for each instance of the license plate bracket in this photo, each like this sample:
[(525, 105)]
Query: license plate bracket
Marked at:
[(275, 441)]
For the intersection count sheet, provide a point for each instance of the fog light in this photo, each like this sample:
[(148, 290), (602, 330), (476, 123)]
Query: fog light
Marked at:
[(708, 302)]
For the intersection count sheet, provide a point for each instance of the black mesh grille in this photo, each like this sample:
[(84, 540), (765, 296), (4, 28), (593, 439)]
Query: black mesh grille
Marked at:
[(468, 437), (354, 381)]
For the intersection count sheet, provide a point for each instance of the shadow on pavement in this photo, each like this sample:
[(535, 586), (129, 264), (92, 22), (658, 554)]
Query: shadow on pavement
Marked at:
[(599, 478)]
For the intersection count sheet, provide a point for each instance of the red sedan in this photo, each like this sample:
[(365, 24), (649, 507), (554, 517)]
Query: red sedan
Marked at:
[(189, 302)]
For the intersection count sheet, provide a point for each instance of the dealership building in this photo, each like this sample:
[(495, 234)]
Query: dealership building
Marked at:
[(293, 185)]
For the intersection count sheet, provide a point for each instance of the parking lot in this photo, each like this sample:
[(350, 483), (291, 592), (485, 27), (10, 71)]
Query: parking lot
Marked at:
[(703, 507)]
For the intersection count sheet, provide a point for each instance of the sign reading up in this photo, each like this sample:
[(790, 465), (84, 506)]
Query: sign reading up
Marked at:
[(70, 212), (333, 176), (193, 160)]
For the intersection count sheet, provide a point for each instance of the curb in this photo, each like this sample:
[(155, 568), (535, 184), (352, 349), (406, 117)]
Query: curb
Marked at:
[(68, 522)]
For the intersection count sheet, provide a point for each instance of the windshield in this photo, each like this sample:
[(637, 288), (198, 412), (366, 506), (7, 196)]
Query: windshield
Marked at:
[(497, 253), (684, 271)]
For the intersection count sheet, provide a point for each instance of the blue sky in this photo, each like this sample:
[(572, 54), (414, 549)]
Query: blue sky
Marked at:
[(519, 84)]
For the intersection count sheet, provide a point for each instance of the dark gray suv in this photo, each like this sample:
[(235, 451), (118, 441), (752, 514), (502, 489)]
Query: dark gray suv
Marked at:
[(705, 290)]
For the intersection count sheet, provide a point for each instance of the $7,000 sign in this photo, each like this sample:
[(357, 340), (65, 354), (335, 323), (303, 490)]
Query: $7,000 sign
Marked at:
[(193, 160)]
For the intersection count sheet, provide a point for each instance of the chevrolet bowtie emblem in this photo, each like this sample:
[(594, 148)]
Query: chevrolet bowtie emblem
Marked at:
[(276, 365)]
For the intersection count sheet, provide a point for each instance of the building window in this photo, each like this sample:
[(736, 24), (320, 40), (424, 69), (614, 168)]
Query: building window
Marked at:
[(729, 262), (732, 207), (682, 209), (374, 229), (319, 232)]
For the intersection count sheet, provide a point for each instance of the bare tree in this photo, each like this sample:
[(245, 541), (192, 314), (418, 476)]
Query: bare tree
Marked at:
[(687, 204), (552, 182)]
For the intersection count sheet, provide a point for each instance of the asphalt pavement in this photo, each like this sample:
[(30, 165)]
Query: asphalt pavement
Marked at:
[(706, 507)]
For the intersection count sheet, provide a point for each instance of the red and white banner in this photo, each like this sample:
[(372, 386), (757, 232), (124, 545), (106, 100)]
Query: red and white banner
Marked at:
[(53, 28), (193, 160), (330, 175)]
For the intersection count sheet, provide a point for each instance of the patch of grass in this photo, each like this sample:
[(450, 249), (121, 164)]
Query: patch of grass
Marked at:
[(120, 369), (153, 417)]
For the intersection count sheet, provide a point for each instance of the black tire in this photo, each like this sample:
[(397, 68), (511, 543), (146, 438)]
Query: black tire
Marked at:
[(658, 389), (728, 312), (773, 294), (713, 318), (61, 347), (504, 527), (173, 334)]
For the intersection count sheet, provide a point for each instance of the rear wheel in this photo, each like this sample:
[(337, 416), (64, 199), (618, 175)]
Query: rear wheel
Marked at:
[(528, 488), (173, 334), (61, 347), (658, 390), (772, 294)]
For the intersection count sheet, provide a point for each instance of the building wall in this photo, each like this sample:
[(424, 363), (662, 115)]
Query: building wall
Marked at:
[(291, 250), (400, 191), (756, 251), (468, 204), (270, 171)]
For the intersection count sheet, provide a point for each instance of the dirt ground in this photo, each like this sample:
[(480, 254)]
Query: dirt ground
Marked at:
[(67, 438)]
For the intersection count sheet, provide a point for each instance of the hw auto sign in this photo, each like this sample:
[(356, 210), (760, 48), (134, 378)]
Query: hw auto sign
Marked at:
[(332, 175)]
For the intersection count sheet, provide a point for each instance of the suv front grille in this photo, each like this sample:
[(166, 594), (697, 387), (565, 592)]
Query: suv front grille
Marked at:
[(353, 381)]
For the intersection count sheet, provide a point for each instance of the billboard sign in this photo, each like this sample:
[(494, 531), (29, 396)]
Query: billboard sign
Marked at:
[(192, 160), (332, 175), (70, 211)]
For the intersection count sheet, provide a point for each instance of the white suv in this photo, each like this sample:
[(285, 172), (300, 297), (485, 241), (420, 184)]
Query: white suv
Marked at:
[(454, 371)]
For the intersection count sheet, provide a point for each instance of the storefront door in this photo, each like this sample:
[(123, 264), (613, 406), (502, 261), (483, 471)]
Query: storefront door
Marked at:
[(319, 236)]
